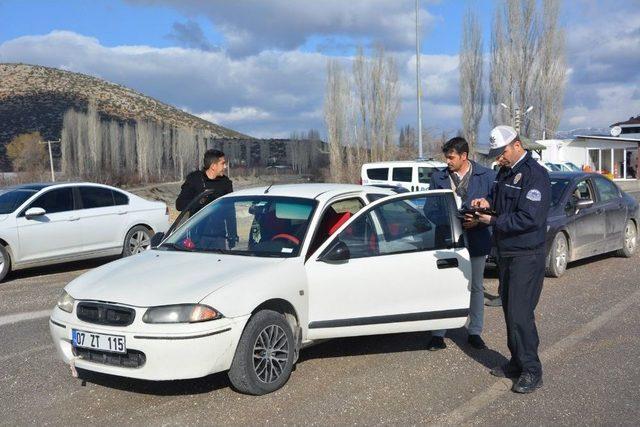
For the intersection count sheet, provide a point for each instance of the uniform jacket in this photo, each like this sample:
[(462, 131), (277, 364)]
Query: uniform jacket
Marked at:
[(521, 198), (480, 184), (196, 182)]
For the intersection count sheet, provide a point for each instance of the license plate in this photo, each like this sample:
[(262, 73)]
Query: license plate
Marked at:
[(104, 342)]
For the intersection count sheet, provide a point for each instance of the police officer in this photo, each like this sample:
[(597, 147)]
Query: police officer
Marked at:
[(470, 181), (520, 198)]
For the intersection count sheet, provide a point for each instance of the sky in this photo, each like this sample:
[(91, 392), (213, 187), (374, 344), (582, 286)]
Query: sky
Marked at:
[(259, 66)]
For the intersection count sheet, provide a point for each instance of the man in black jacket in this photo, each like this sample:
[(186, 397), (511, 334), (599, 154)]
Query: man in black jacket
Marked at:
[(211, 177)]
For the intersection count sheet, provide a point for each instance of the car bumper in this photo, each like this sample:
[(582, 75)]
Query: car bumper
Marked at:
[(186, 351)]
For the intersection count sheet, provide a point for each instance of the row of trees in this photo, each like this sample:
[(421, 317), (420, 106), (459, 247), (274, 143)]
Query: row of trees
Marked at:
[(526, 68), (361, 108)]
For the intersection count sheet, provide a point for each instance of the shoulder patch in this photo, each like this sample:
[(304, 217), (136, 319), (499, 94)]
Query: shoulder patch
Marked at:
[(534, 195)]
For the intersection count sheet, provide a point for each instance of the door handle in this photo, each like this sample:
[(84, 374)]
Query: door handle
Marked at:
[(122, 212), (74, 218), (447, 263)]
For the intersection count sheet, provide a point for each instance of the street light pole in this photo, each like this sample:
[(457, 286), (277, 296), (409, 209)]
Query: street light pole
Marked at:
[(53, 176), (418, 85)]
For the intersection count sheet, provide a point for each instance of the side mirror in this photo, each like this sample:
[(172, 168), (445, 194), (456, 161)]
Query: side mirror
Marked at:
[(156, 239), (34, 213), (338, 251)]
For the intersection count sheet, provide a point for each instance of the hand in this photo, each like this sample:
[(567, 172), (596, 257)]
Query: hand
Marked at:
[(480, 203), (231, 241), (484, 218), (469, 222)]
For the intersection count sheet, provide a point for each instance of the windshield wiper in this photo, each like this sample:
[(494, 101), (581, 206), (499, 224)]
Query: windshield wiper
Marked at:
[(175, 247)]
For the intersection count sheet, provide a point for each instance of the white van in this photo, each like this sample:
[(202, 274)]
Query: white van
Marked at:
[(414, 175)]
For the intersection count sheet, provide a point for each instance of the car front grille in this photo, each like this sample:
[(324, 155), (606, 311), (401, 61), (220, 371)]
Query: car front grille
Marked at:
[(131, 359), (105, 314)]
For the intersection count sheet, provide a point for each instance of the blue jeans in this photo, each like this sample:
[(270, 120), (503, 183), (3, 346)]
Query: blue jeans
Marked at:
[(476, 307)]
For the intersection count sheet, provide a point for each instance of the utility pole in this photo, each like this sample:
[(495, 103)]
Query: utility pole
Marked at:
[(419, 86), (53, 176)]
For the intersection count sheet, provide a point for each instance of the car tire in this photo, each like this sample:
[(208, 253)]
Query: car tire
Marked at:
[(137, 240), (558, 256), (264, 357), (5, 260), (629, 240)]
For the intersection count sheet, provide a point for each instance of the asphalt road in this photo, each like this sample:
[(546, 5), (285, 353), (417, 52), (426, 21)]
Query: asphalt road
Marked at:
[(589, 326)]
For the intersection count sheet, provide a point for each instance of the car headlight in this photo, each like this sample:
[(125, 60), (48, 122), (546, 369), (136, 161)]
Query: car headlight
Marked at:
[(65, 302), (180, 313)]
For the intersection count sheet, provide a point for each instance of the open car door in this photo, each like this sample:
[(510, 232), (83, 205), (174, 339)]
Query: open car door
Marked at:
[(398, 265)]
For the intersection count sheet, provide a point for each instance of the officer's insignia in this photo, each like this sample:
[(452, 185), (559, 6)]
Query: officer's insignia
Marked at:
[(534, 195), (517, 178)]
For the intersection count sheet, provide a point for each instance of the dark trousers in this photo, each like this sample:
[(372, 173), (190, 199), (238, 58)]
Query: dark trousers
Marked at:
[(521, 280)]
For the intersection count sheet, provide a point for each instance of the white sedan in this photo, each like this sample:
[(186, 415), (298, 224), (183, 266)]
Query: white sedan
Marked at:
[(43, 224), (255, 276)]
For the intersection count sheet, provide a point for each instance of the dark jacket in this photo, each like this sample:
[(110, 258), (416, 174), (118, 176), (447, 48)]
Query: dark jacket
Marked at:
[(480, 184), (198, 181), (521, 198)]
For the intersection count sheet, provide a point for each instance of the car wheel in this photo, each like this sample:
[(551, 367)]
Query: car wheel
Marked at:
[(558, 256), (265, 355), (5, 262), (137, 240), (630, 240)]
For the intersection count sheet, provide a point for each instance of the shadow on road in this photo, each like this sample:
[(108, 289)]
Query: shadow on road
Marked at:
[(58, 268), (159, 388)]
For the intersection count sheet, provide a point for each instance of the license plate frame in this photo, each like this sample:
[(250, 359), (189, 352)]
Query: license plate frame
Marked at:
[(99, 341)]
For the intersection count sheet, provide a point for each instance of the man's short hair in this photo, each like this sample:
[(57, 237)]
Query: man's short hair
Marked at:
[(212, 156), (459, 144)]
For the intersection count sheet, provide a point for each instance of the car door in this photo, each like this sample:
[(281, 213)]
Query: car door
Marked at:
[(588, 224), (55, 234), (615, 212), (101, 220), (407, 270)]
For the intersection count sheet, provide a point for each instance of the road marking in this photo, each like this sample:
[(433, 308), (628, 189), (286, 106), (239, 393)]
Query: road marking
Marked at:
[(26, 352), (21, 317), (497, 389)]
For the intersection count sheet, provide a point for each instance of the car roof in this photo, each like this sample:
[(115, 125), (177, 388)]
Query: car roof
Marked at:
[(37, 186), (310, 191), (430, 163)]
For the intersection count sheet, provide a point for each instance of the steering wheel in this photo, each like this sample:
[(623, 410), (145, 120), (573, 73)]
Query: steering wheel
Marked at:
[(285, 236)]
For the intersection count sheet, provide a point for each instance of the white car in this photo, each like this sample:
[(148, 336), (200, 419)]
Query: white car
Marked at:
[(414, 175), (43, 224), (256, 275)]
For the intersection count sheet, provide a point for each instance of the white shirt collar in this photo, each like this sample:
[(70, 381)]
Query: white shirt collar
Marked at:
[(519, 160)]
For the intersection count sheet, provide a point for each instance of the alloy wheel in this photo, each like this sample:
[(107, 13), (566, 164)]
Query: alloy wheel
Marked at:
[(270, 353), (561, 254), (140, 241), (630, 237)]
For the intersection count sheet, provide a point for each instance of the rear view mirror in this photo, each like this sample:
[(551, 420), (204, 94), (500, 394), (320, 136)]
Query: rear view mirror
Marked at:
[(34, 213), (156, 239), (338, 251)]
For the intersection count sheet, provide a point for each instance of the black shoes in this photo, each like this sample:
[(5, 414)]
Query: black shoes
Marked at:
[(436, 343), (527, 383), (505, 371), (476, 342)]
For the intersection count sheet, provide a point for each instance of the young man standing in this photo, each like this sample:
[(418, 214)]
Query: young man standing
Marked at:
[(469, 181), (211, 177)]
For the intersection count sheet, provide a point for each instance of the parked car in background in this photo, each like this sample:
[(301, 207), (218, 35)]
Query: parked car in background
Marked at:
[(589, 215), (42, 224), (568, 167), (412, 175), (292, 264)]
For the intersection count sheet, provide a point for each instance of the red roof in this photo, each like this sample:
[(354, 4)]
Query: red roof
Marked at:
[(631, 121)]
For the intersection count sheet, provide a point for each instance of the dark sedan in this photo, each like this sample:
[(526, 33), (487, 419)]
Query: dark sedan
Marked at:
[(589, 215)]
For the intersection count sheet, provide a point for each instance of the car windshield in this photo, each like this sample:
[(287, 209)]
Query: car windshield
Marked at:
[(10, 200), (557, 189), (573, 167), (267, 226), (554, 167)]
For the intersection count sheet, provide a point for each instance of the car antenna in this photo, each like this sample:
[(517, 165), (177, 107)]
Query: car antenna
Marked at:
[(268, 188)]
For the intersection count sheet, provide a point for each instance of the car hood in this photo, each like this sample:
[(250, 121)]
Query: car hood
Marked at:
[(164, 277)]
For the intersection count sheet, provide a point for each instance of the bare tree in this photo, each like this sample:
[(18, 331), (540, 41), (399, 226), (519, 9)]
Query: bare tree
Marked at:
[(471, 66), (336, 117), (527, 63)]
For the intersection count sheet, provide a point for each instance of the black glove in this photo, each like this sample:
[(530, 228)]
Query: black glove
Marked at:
[(232, 241)]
